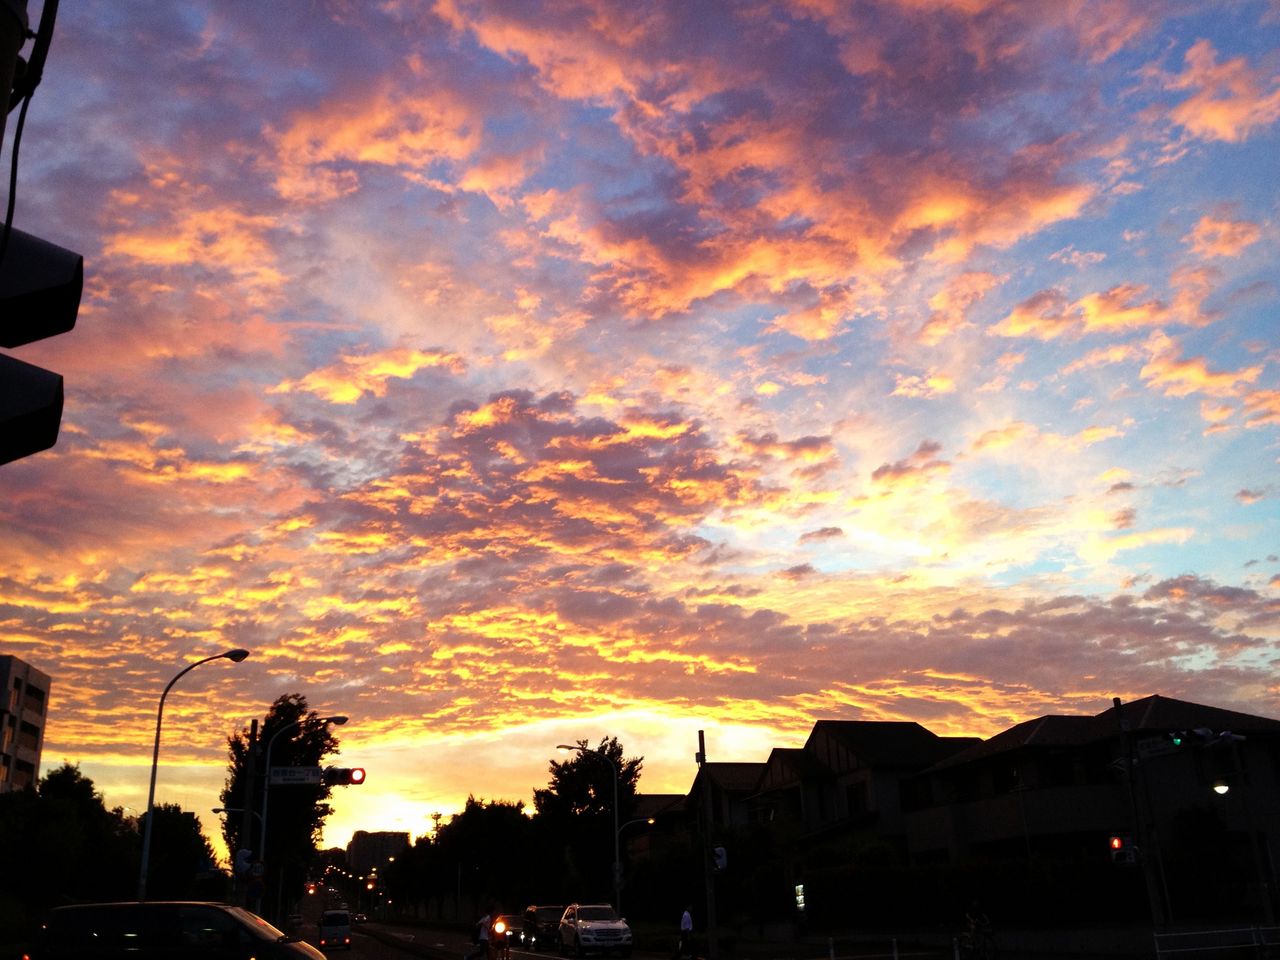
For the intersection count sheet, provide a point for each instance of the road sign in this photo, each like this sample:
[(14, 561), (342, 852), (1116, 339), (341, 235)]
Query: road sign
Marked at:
[(295, 775)]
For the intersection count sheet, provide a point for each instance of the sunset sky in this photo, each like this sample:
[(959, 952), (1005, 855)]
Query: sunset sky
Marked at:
[(502, 374)]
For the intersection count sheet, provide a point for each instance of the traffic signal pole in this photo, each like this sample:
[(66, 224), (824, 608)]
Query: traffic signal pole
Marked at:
[(708, 868), (13, 30), (1159, 915)]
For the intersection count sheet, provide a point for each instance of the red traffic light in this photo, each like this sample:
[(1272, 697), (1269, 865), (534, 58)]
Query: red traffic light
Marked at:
[(1117, 843), (357, 774)]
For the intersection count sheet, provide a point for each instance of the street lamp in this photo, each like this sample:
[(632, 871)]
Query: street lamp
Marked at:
[(649, 820), (617, 862), (235, 656)]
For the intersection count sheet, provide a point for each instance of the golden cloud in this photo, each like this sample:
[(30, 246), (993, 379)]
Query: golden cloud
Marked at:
[(346, 381)]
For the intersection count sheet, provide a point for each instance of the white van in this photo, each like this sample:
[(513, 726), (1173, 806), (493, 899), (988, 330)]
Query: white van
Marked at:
[(335, 929)]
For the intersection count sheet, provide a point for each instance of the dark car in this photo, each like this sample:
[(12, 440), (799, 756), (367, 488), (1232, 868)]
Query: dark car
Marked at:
[(542, 927), (163, 930)]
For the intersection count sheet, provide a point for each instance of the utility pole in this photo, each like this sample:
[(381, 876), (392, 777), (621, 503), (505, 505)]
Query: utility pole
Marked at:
[(708, 869), (246, 822), (1146, 853)]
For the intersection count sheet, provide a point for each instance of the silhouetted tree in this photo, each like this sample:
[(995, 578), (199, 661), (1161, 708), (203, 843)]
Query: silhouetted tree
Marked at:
[(182, 860), (296, 812), (62, 845), (574, 818)]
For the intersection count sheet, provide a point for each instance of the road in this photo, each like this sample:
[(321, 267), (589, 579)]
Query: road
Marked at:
[(377, 941)]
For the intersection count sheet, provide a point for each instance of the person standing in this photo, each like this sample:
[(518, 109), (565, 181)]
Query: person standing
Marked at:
[(685, 948), (481, 937)]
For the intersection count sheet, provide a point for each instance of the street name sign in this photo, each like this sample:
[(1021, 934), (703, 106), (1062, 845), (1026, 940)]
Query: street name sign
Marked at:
[(295, 775)]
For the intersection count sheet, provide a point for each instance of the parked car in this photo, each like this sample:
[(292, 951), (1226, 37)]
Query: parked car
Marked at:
[(335, 929), (589, 927), (541, 927), (163, 930)]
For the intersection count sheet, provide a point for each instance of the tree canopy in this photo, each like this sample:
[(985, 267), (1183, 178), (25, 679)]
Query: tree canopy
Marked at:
[(66, 846), (582, 785)]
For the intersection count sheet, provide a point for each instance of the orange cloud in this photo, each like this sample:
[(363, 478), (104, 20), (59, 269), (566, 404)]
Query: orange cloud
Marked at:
[(1262, 408), (1043, 316), (951, 304), (1215, 237), (213, 238), (1167, 371), (1228, 101), (318, 152), (1126, 306)]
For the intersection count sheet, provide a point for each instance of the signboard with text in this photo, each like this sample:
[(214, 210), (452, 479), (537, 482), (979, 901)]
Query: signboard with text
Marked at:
[(295, 775)]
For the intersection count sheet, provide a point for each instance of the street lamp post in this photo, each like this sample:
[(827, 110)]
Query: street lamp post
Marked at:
[(617, 861), (235, 656)]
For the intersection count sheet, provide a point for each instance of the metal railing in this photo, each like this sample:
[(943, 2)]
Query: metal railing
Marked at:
[(1208, 941)]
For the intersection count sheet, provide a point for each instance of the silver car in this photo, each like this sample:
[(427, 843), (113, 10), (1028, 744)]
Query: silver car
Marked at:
[(593, 927)]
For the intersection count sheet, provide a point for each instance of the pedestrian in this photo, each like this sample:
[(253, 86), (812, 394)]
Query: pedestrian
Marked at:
[(685, 947), (480, 937)]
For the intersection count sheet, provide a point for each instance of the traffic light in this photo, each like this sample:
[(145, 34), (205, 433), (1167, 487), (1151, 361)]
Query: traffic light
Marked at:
[(1122, 849), (40, 282), (343, 776)]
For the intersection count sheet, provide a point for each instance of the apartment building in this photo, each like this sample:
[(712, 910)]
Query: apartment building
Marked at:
[(24, 708)]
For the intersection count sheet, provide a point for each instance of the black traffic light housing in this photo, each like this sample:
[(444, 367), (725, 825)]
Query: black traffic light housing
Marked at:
[(343, 776), (40, 282), (1122, 848)]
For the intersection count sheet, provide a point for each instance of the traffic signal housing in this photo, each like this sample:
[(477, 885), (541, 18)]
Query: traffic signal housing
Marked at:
[(344, 776), (40, 289), (40, 282), (1122, 849)]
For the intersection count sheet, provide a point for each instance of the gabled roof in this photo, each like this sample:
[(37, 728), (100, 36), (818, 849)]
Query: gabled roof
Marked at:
[(890, 743), (1153, 714), (1165, 713), (797, 763), (731, 777)]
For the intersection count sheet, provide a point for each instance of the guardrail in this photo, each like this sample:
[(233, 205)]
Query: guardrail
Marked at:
[(1208, 941)]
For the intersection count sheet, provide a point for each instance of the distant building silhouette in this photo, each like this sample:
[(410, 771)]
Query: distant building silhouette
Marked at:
[(24, 706), (368, 850)]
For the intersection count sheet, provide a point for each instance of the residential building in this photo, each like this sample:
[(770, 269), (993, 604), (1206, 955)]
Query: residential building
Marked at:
[(1190, 792), (24, 708)]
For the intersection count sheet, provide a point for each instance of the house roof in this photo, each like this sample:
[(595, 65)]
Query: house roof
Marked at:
[(1166, 713), (731, 777), (896, 743), (1150, 714), (797, 762)]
